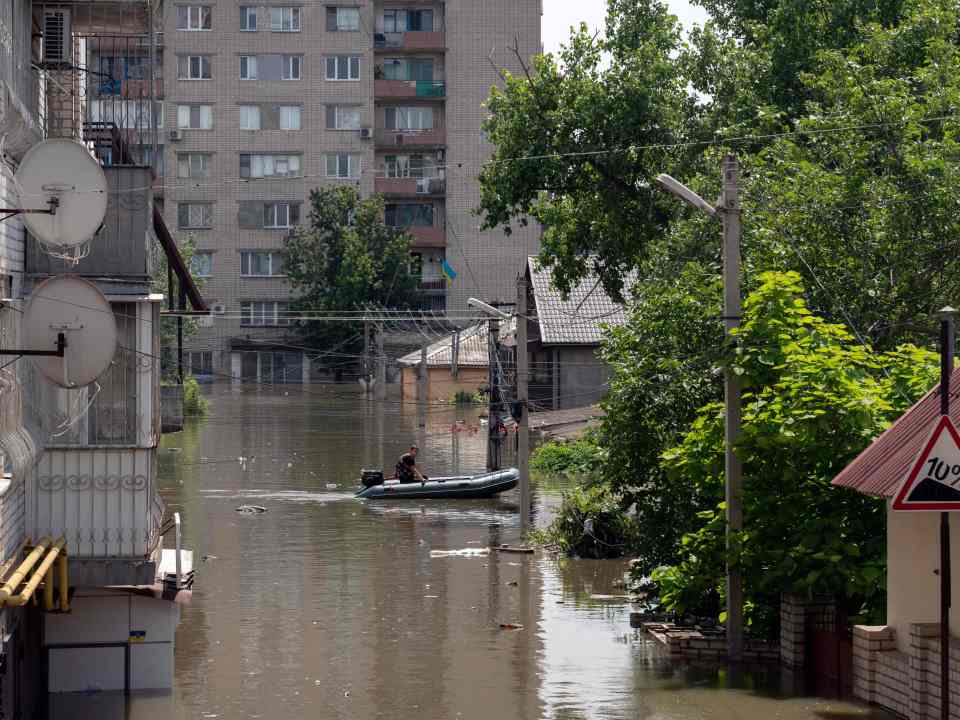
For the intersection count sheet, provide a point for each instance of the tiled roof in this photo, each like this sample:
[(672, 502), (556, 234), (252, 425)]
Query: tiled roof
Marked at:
[(473, 350), (578, 319), (880, 468)]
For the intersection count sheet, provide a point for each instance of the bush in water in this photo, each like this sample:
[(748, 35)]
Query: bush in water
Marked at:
[(591, 524), (194, 403), (578, 457)]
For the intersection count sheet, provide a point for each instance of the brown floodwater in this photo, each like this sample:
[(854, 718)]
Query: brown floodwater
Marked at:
[(328, 607)]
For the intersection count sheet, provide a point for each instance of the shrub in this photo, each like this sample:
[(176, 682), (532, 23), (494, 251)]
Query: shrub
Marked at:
[(578, 457), (591, 524), (194, 403)]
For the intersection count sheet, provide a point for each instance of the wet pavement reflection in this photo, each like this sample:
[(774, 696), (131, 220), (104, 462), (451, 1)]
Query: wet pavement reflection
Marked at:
[(328, 607)]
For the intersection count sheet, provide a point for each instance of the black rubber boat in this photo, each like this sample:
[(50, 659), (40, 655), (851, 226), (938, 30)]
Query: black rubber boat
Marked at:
[(467, 486)]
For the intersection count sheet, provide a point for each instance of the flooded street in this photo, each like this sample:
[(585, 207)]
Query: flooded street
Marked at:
[(328, 607)]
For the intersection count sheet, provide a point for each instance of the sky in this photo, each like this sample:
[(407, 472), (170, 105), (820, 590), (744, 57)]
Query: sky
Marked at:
[(559, 15)]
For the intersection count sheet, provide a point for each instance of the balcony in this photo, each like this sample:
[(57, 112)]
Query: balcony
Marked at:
[(412, 41), (410, 186), (407, 89), (427, 237), (390, 139), (433, 286)]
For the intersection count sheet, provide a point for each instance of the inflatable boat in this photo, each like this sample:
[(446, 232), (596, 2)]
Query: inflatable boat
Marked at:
[(466, 486)]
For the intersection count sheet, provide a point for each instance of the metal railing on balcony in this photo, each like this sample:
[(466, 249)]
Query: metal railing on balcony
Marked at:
[(415, 40), (424, 89), (433, 285), (434, 137)]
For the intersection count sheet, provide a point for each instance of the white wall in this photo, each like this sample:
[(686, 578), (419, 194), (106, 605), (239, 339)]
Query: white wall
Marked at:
[(913, 556), (11, 235)]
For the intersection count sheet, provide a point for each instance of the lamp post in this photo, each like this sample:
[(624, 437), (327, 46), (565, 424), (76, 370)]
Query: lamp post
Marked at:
[(728, 209), (493, 355)]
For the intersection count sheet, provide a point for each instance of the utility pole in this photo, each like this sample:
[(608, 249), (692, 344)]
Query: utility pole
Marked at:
[(947, 340), (455, 355), (493, 432), (730, 212), (523, 422), (380, 384), (422, 389), (365, 371)]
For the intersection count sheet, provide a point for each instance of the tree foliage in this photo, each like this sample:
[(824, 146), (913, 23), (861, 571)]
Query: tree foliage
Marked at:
[(345, 259)]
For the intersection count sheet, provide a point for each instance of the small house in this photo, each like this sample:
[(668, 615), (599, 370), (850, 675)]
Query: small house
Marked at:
[(457, 363)]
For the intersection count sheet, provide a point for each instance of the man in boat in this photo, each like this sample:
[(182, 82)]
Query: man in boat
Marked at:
[(407, 470)]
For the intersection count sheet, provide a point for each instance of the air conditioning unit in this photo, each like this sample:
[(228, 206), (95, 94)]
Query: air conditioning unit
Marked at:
[(366, 133), (57, 48), (175, 135), (218, 308)]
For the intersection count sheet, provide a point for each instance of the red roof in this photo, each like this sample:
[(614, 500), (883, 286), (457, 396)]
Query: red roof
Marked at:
[(880, 468)]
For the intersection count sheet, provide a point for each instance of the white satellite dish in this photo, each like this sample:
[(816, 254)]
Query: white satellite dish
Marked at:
[(62, 176), (75, 308)]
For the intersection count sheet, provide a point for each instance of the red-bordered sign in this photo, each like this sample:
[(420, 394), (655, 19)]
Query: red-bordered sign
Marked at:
[(933, 483)]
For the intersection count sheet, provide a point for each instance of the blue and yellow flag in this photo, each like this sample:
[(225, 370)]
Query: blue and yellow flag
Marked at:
[(448, 272)]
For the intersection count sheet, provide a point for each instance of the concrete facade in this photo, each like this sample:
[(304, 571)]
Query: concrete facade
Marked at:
[(439, 51)]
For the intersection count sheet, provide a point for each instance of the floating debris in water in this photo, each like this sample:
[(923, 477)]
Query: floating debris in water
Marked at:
[(332, 486), (511, 626), (465, 552), (513, 583), (251, 509), (173, 449)]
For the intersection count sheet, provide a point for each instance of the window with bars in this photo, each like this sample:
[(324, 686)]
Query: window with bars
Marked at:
[(195, 117), (193, 165), (268, 166), (264, 313), (343, 165), (194, 17), (248, 18), (194, 215), (285, 19), (261, 263), (194, 67), (343, 67)]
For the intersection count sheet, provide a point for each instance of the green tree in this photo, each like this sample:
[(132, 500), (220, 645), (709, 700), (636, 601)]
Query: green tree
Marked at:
[(814, 397), (346, 259), (168, 325)]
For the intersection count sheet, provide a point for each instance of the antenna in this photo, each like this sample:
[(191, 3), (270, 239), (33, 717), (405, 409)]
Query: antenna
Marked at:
[(72, 329), (63, 197)]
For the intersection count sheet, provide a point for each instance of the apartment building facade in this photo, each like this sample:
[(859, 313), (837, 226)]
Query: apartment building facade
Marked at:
[(266, 101)]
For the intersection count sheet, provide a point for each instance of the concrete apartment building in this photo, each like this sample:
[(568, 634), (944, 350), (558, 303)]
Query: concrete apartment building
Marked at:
[(266, 101)]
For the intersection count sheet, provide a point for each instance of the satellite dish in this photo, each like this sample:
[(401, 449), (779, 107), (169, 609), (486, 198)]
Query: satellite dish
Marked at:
[(60, 174), (71, 306)]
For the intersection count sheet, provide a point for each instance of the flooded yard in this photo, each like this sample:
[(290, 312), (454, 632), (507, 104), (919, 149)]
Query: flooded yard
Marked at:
[(328, 607)]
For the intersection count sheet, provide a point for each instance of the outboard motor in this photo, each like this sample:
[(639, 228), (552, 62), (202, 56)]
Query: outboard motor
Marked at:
[(369, 478)]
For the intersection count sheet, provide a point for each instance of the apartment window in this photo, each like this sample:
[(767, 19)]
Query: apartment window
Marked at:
[(261, 263), (267, 166), (409, 215), (280, 215), (193, 165), (194, 17), (398, 21), (343, 165), (194, 215), (343, 67), (343, 19), (264, 312), (285, 19), (343, 117), (409, 118), (248, 67), (200, 362), (248, 18), (408, 69), (409, 166), (127, 114), (193, 67), (201, 263), (195, 117), (289, 117), (249, 117), (291, 67)]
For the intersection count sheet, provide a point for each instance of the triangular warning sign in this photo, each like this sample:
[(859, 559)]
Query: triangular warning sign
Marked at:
[(933, 482)]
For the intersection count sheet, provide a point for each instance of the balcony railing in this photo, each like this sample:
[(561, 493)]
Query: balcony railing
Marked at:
[(410, 186), (414, 40), (436, 137), (433, 285), (427, 237), (405, 89)]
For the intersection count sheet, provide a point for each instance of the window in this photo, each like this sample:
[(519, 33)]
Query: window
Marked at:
[(194, 215), (248, 19), (343, 165), (343, 117), (398, 21), (410, 166), (266, 166), (127, 114), (291, 67), (409, 118), (249, 117), (260, 263), (285, 19), (280, 215), (193, 17), (409, 215), (200, 362), (343, 67), (248, 67), (193, 67), (289, 117), (343, 19), (195, 117), (264, 312), (193, 165), (408, 69), (201, 263)]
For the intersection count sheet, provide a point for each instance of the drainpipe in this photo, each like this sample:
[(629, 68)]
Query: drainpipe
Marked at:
[(24, 596)]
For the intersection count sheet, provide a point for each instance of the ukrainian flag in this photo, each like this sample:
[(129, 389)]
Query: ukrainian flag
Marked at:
[(448, 272)]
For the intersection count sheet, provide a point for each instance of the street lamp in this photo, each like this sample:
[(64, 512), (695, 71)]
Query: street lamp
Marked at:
[(488, 309), (729, 211), (493, 359)]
